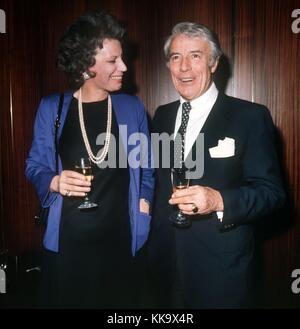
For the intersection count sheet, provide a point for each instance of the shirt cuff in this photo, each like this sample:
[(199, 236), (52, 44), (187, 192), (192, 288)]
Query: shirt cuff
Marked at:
[(220, 215)]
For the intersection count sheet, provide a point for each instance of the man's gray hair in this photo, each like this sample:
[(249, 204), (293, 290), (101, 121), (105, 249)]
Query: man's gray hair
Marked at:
[(195, 30)]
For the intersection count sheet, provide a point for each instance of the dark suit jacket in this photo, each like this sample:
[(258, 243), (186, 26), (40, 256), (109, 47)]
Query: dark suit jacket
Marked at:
[(214, 259)]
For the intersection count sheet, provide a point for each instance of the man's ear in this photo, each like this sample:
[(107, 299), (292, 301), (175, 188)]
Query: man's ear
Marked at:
[(213, 68)]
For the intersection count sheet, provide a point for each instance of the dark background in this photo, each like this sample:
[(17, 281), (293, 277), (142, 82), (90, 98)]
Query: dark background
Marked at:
[(261, 65)]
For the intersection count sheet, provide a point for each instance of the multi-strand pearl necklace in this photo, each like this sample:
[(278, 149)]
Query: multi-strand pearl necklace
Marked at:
[(101, 157)]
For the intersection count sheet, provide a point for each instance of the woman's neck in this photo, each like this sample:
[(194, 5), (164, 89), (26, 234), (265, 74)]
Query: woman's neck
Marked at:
[(91, 94)]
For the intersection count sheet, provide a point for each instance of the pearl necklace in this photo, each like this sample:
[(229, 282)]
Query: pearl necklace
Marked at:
[(94, 159)]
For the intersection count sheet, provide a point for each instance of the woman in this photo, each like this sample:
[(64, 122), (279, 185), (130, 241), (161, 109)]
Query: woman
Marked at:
[(89, 252)]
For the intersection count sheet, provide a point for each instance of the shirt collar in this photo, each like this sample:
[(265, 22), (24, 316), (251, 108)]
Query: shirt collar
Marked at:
[(208, 98)]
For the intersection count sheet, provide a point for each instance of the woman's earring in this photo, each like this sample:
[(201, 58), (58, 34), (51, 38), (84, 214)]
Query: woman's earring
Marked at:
[(85, 76)]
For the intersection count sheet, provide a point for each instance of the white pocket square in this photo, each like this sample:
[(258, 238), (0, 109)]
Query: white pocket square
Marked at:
[(224, 149)]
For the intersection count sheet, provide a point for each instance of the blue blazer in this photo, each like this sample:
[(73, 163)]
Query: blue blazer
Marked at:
[(40, 164)]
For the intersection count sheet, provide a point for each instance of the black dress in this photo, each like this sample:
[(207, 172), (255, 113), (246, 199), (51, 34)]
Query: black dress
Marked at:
[(94, 263)]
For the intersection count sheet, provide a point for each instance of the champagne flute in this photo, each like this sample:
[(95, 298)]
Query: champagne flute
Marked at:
[(84, 166), (179, 182), (3, 265), (3, 258)]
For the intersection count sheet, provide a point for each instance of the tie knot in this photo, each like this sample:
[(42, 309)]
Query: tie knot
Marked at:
[(186, 106)]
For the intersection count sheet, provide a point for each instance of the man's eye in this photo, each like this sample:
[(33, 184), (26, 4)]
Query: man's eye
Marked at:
[(174, 58), (195, 56), (112, 61)]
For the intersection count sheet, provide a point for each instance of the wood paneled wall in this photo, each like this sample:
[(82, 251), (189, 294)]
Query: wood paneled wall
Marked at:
[(261, 64)]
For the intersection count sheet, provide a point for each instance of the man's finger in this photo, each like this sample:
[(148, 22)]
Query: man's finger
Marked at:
[(184, 199)]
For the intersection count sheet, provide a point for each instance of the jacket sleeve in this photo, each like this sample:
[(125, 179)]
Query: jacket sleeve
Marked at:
[(40, 164), (147, 172), (260, 192)]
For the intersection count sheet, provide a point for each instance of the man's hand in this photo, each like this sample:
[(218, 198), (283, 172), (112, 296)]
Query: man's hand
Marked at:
[(206, 199)]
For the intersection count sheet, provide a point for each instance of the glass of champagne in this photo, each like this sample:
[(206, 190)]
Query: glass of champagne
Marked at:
[(3, 258), (179, 181), (84, 166), (3, 265)]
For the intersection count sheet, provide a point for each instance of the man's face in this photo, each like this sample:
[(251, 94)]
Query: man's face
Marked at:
[(189, 64)]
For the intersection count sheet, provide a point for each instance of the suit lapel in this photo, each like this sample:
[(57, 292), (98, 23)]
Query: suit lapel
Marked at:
[(215, 125), (214, 128)]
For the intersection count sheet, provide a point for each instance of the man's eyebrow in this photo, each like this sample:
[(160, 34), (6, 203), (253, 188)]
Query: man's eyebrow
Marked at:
[(191, 52), (172, 54), (196, 51)]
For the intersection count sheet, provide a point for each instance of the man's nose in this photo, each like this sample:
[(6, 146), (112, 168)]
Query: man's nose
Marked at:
[(185, 64)]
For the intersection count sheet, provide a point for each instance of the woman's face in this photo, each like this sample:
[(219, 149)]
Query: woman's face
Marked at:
[(109, 67)]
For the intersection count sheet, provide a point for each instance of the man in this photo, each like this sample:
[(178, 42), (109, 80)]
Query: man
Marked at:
[(210, 263)]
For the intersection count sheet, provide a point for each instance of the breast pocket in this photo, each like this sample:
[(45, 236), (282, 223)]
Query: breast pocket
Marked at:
[(221, 171)]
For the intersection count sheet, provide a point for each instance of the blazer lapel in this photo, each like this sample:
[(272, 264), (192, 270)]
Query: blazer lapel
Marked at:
[(124, 121), (169, 126), (66, 104), (215, 126), (213, 129), (170, 118)]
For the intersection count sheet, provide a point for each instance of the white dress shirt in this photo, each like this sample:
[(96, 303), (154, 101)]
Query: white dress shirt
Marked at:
[(201, 108)]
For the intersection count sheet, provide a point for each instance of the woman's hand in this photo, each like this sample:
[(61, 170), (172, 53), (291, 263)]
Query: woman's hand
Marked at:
[(70, 183), (144, 206), (200, 198)]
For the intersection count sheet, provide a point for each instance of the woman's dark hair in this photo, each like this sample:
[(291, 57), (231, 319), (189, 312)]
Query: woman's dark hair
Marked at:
[(77, 47)]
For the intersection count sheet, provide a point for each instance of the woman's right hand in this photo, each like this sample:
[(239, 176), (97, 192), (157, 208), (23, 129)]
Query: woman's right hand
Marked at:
[(70, 183)]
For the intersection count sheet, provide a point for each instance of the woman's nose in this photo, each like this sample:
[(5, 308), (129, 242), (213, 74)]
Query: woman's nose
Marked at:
[(122, 66)]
